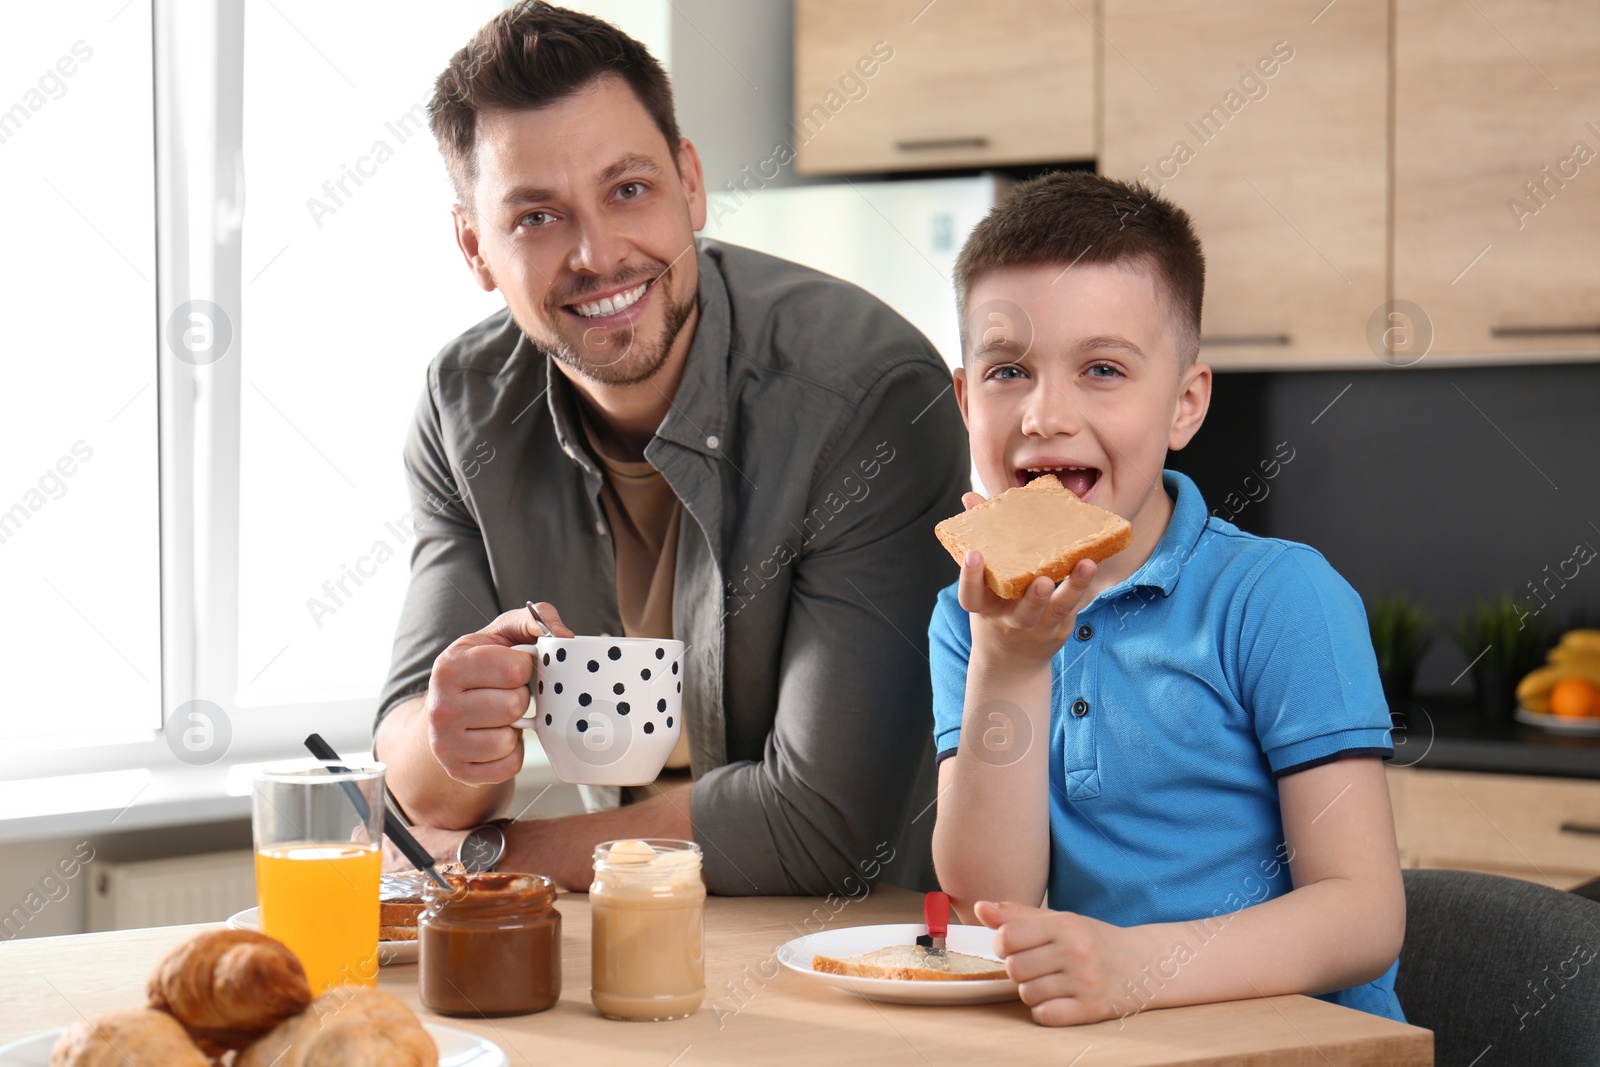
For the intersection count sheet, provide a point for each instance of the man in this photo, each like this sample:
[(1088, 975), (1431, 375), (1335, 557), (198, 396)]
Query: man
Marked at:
[(662, 440)]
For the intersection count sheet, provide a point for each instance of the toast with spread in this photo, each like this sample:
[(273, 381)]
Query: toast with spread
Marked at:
[(1038, 528)]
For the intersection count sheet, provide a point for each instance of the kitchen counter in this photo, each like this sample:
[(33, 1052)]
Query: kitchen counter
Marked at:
[(756, 1011), (1448, 733)]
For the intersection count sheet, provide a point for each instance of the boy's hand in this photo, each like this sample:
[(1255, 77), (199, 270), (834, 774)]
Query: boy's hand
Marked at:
[(1028, 631), (1069, 969)]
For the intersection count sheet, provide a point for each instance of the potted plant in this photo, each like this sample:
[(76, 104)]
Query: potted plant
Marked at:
[(1502, 644), (1401, 635)]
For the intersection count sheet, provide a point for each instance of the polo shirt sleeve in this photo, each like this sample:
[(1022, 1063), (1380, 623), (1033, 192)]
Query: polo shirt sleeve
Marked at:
[(1308, 673), (949, 648)]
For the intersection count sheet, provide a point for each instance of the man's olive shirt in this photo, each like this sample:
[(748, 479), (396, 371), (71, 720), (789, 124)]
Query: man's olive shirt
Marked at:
[(814, 441)]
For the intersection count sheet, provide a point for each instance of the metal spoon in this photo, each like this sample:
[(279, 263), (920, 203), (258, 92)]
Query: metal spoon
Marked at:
[(539, 620)]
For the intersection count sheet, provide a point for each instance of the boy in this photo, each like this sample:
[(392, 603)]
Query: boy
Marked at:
[(1179, 749)]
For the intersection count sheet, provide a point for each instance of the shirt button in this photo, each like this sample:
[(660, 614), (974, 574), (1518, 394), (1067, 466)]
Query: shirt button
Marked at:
[(1085, 632), (600, 527), (1080, 708), (713, 441)]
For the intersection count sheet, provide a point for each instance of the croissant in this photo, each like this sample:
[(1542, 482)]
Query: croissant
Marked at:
[(140, 1038), (346, 1027), (228, 987)]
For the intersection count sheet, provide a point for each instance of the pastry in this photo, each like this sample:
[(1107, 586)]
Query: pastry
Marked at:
[(228, 987), (346, 1027), (138, 1038)]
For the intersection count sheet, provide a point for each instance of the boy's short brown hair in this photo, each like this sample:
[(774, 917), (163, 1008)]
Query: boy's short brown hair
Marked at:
[(1076, 217), (530, 56)]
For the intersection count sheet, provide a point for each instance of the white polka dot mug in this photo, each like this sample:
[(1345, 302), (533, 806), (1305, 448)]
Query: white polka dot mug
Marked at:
[(608, 710)]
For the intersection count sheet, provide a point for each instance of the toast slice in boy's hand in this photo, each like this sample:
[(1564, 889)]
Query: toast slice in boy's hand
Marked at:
[(1033, 529), (910, 963)]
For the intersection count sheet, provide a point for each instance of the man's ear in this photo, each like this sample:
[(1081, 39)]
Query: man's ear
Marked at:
[(960, 379), (694, 183), (467, 241), (1193, 402)]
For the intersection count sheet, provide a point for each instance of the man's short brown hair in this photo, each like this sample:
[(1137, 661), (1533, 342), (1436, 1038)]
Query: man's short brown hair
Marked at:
[(1074, 217), (533, 55)]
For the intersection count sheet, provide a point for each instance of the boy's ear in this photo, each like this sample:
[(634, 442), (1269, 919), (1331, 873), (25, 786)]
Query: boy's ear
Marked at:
[(1190, 411), (960, 379)]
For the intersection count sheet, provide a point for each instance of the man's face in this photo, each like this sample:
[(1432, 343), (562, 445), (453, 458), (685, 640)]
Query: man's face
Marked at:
[(1074, 373), (583, 217)]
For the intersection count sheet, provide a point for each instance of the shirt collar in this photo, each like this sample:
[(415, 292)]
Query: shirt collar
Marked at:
[(697, 418), (1165, 565)]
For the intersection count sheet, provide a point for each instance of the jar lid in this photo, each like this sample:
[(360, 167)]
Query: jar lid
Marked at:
[(493, 887)]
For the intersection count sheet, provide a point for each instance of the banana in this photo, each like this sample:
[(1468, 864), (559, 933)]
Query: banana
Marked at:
[(1533, 692), (1583, 641)]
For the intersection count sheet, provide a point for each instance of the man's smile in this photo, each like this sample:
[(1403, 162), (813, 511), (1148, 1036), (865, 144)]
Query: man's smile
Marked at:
[(616, 307)]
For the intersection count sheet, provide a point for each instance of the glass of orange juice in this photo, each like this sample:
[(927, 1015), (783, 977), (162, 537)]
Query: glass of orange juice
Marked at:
[(318, 827)]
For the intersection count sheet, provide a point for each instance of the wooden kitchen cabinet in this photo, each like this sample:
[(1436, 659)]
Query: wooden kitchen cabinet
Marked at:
[(1271, 130), (1544, 830), (1497, 174), (902, 85)]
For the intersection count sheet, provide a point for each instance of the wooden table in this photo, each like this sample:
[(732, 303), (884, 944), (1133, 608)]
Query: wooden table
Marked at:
[(758, 1012)]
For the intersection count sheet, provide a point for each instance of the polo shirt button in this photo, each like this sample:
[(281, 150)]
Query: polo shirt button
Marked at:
[(1085, 632), (1080, 708), (600, 527), (712, 441)]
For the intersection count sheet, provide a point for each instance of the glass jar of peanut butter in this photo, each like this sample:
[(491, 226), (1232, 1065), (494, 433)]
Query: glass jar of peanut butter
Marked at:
[(648, 905), (490, 946)]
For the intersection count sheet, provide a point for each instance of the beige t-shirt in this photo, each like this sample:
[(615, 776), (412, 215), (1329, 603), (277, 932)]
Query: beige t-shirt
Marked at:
[(643, 512)]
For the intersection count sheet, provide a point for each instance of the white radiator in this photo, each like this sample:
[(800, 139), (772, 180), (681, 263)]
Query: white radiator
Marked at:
[(170, 892)]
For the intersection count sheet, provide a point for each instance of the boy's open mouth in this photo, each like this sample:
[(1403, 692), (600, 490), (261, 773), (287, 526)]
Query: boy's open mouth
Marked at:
[(1081, 480)]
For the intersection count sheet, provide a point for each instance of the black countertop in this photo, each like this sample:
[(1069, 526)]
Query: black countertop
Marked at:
[(1444, 733)]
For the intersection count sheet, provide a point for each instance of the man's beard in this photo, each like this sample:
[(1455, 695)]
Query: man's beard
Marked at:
[(621, 357)]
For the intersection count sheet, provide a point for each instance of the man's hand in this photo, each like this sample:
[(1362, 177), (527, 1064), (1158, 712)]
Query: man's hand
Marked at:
[(1069, 969), (479, 687), (1026, 632)]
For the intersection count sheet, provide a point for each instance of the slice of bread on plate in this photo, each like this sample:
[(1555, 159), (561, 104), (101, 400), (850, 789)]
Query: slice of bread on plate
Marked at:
[(1029, 530), (909, 963)]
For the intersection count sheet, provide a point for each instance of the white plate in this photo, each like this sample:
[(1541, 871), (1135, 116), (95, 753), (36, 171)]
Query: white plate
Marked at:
[(1561, 724), (852, 941), (388, 951), (457, 1048)]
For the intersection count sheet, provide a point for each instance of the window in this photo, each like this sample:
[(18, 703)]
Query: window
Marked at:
[(79, 501), (351, 283), (243, 228)]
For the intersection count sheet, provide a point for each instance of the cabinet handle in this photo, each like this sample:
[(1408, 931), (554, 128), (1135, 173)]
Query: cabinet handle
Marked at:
[(942, 142), (1511, 332), (1580, 828), (1247, 339)]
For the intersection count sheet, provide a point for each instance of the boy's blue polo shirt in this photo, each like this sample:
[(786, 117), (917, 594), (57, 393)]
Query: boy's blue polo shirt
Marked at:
[(1224, 662)]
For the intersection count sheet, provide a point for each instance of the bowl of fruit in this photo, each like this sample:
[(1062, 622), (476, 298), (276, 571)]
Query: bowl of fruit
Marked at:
[(1564, 694)]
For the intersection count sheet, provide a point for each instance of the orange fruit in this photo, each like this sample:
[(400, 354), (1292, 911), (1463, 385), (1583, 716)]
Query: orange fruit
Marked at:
[(1575, 698)]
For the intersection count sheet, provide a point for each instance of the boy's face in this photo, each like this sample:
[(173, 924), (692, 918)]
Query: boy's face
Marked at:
[(1074, 372), (583, 217)]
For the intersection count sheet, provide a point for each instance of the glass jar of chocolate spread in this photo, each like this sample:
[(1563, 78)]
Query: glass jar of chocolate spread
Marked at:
[(490, 946), (648, 905)]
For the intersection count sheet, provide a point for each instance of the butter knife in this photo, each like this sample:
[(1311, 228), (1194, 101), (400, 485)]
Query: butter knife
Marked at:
[(936, 911)]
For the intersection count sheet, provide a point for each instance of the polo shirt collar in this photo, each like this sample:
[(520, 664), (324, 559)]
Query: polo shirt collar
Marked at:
[(697, 419), (1165, 565)]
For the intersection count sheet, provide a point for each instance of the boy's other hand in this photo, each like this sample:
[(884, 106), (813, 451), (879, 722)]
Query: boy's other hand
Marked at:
[(1069, 969), (1028, 631)]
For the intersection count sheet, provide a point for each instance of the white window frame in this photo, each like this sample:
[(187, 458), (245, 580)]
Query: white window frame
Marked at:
[(198, 52)]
